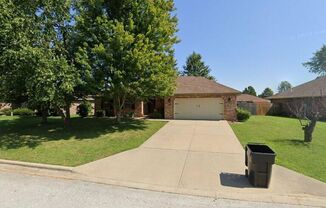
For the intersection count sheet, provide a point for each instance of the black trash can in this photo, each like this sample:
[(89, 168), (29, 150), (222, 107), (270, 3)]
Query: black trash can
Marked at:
[(259, 159)]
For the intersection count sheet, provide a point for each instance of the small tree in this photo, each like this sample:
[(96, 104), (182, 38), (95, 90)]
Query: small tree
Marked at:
[(308, 111), (284, 86), (196, 67), (267, 93), (250, 91)]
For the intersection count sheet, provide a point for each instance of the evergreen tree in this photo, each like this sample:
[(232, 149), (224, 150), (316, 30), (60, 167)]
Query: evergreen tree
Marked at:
[(250, 91), (196, 67), (267, 93)]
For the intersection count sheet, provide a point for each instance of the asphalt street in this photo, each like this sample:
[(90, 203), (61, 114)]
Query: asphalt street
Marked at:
[(25, 191)]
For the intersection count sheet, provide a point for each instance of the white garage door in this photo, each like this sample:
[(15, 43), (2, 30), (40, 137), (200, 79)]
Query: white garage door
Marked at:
[(199, 108)]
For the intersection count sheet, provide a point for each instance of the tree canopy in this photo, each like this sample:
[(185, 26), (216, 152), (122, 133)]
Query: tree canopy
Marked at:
[(54, 51), (317, 63), (266, 93), (284, 86), (250, 91), (35, 64), (128, 47), (195, 66)]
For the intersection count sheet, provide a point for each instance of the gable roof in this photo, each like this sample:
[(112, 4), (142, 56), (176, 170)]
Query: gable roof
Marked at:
[(314, 88), (251, 98), (201, 85)]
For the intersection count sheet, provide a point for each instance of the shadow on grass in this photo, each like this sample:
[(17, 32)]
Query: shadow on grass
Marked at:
[(234, 180), (293, 142), (27, 132)]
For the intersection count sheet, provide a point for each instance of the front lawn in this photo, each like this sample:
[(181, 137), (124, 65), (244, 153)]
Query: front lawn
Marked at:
[(285, 137), (86, 140)]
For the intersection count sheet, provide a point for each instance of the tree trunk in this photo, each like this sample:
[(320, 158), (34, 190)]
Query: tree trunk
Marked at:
[(118, 115), (67, 116), (44, 116), (118, 105), (309, 130)]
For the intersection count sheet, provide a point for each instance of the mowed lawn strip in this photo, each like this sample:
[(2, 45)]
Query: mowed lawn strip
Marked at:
[(85, 140), (285, 137)]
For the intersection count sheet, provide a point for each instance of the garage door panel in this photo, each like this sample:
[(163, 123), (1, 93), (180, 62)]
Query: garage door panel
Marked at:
[(199, 108)]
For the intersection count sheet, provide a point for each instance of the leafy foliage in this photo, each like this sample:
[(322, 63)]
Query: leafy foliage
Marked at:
[(250, 91), (242, 114), (127, 46), (267, 93), (196, 67), (84, 109), (23, 112), (284, 86), (317, 63), (36, 62)]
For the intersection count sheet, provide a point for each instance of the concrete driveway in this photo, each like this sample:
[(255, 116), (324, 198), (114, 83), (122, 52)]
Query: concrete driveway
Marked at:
[(202, 158)]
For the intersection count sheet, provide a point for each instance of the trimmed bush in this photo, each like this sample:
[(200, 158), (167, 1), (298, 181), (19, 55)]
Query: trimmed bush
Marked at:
[(84, 109), (156, 115), (6, 111), (23, 112), (243, 115)]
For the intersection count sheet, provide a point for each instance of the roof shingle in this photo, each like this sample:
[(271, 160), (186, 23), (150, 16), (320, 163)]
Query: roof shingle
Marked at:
[(314, 88), (201, 85)]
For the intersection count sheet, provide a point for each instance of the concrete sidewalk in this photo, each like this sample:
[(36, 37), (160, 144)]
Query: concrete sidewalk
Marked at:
[(200, 158)]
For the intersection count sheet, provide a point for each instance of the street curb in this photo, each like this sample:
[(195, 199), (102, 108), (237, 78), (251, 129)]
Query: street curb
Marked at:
[(37, 166)]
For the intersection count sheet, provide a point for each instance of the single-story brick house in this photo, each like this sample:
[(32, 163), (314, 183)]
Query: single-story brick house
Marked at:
[(194, 98), (255, 105), (314, 90)]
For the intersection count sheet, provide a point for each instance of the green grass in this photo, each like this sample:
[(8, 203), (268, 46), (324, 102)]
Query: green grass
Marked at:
[(85, 140), (285, 137)]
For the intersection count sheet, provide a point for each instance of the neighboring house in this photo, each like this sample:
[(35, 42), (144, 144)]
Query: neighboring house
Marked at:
[(194, 98), (256, 105), (314, 90), (5, 106)]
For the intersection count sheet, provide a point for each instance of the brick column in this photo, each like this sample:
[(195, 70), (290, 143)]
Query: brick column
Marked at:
[(139, 109), (169, 108), (230, 104)]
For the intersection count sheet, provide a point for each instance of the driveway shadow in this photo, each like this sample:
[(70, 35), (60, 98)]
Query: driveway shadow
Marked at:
[(234, 180)]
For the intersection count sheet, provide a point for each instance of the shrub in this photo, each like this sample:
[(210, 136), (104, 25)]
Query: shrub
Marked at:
[(99, 113), (6, 111), (84, 109), (156, 115), (243, 115), (23, 112), (129, 114)]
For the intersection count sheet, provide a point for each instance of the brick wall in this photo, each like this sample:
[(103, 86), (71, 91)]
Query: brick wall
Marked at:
[(230, 104), (281, 106)]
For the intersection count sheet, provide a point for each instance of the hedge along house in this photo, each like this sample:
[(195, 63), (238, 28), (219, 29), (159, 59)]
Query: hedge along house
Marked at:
[(255, 105), (313, 91), (195, 98)]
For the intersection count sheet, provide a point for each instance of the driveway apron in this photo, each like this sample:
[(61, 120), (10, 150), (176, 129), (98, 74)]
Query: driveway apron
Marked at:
[(197, 157)]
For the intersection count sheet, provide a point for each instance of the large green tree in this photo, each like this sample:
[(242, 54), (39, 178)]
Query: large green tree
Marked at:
[(284, 86), (17, 33), (266, 93), (127, 47), (195, 66), (35, 58), (250, 91), (317, 63)]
